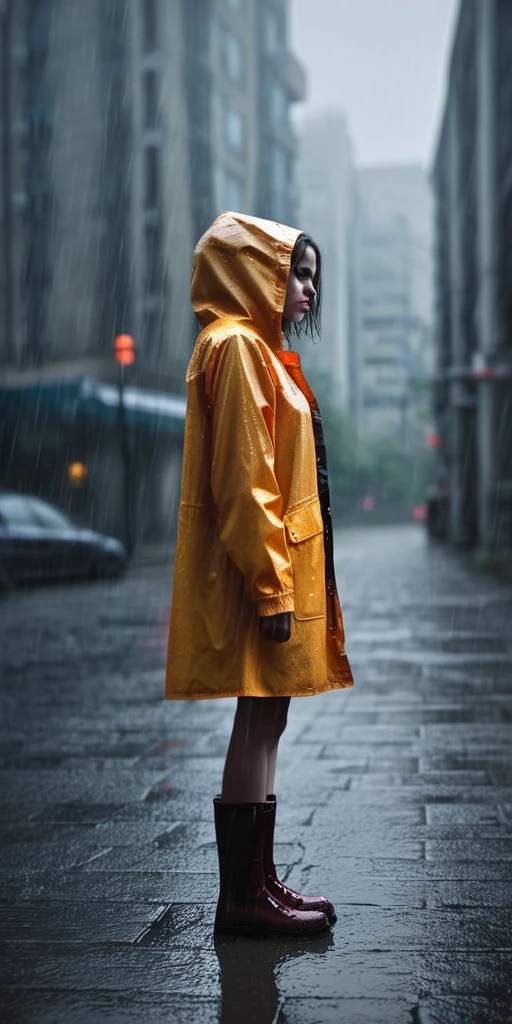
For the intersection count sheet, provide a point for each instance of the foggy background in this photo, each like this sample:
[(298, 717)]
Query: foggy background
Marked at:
[(384, 64), (381, 128)]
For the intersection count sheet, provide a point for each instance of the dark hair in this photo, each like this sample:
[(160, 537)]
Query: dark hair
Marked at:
[(311, 324)]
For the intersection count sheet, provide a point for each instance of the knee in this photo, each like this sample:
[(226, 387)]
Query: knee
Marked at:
[(262, 716), (250, 718), (281, 717)]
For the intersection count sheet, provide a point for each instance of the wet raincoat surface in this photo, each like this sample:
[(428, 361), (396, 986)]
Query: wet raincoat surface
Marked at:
[(250, 534)]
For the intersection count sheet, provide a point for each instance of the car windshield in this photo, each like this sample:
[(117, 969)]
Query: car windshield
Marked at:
[(50, 517), (17, 510), (23, 510)]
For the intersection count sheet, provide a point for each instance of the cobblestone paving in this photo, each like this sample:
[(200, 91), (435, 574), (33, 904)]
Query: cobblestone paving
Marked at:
[(395, 799)]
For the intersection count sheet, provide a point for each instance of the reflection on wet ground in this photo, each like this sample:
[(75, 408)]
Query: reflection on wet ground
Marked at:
[(395, 800), (250, 970)]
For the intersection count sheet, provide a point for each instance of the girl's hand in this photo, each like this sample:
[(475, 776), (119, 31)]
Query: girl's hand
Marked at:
[(276, 627)]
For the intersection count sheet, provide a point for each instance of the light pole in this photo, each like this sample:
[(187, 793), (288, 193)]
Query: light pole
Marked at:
[(6, 172), (124, 352)]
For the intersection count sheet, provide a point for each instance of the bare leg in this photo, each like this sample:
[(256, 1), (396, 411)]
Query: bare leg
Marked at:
[(272, 755), (253, 741)]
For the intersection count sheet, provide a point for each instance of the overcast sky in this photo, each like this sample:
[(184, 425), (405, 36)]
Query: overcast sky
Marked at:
[(384, 62)]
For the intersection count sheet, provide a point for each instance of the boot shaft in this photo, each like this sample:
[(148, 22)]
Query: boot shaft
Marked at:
[(240, 846)]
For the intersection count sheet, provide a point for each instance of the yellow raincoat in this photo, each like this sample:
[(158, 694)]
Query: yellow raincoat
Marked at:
[(250, 534)]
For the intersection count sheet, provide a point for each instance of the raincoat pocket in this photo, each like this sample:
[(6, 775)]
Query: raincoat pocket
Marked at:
[(304, 534)]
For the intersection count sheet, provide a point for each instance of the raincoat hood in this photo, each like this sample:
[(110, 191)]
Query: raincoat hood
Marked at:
[(240, 272)]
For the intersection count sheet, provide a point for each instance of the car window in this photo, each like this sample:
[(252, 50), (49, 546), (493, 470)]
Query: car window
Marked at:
[(17, 510), (50, 517)]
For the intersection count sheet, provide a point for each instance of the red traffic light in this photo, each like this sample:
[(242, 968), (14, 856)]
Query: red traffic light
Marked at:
[(124, 349), (434, 440)]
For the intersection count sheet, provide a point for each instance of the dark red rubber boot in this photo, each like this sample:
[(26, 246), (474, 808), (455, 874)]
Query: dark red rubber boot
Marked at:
[(245, 905), (291, 899)]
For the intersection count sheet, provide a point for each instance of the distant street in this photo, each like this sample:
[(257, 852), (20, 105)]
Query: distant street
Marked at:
[(394, 799)]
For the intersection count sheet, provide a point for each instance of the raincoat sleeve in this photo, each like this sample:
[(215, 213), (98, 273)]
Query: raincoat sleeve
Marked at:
[(244, 486)]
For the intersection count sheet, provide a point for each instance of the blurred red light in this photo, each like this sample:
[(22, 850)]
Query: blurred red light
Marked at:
[(124, 349), (434, 441)]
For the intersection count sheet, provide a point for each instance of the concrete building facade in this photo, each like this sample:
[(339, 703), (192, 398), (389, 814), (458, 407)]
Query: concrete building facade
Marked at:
[(241, 82), (99, 166), (328, 211), (281, 83), (473, 190), (396, 274)]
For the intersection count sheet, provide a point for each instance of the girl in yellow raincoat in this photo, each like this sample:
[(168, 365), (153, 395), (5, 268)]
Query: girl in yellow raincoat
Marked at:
[(255, 611)]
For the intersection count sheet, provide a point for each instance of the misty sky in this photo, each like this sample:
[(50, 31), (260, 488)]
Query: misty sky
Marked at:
[(384, 63)]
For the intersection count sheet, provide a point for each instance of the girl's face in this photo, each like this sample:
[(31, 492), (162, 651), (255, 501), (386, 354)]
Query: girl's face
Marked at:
[(300, 292)]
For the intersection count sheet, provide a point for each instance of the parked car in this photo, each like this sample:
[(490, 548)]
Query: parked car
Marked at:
[(38, 541)]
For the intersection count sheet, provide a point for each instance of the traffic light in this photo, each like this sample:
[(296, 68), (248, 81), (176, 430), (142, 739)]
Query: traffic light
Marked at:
[(124, 349)]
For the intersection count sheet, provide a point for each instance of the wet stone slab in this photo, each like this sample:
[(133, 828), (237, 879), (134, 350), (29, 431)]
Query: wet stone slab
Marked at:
[(459, 778), (357, 888), (464, 1010), (474, 972), (97, 921), (462, 814), (488, 849), (345, 1011), (38, 1006), (118, 886), (51, 786), (76, 969)]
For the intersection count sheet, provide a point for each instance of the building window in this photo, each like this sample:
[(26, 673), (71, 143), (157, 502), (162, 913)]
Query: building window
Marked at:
[(152, 176), (153, 240), (232, 192), (153, 331), (39, 124), (279, 183), (271, 32), (234, 129), (151, 99), (278, 107), (233, 58), (38, 26), (279, 171), (149, 14)]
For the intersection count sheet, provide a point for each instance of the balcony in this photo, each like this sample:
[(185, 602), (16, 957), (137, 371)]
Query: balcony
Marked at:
[(294, 78), (283, 136), (290, 73)]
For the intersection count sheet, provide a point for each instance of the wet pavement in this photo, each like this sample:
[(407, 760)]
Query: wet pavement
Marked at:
[(394, 799)]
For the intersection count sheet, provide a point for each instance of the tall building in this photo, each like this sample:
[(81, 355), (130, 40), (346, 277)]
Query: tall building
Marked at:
[(127, 127), (404, 191), (396, 228), (97, 237), (221, 83), (328, 212), (473, 197), (241, 82), (281, 82), (99, 182)]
